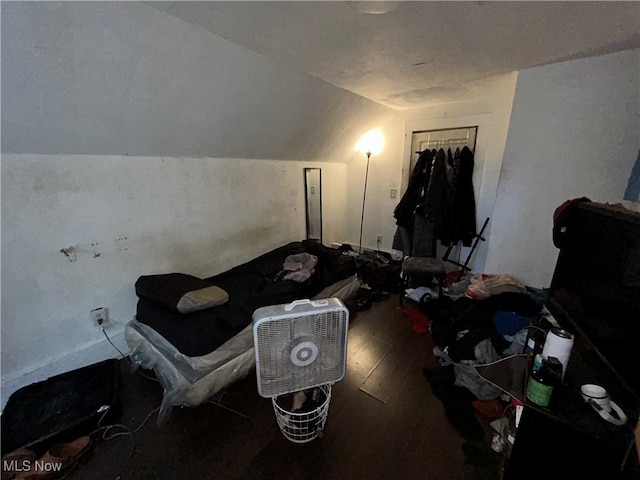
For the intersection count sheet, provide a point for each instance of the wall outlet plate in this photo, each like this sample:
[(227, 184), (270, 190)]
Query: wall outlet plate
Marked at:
[(99, 316)]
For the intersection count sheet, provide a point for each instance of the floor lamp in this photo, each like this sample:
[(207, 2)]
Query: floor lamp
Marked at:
[(370, 144), (364, 198)]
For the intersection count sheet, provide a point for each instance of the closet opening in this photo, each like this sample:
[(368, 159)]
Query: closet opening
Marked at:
[(443, 138), (437, 213)]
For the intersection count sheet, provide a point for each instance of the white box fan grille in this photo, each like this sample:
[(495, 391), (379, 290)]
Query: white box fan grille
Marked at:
[(300, 345)]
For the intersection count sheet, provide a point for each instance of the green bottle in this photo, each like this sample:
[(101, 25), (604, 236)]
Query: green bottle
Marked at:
[(540, 386)]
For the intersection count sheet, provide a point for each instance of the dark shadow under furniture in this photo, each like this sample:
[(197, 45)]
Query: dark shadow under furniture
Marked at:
[(427, 269)]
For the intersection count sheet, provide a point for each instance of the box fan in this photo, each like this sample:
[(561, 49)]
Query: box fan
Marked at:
[(301, 350)]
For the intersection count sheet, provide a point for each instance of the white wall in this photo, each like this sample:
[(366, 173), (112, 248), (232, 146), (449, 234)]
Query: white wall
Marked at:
[(490, 110), (122, 78), (384, 174), (145, 215), (119, 121), (574, 132)]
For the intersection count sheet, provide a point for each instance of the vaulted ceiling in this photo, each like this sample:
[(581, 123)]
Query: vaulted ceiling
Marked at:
[(410, 54), (300, 80)]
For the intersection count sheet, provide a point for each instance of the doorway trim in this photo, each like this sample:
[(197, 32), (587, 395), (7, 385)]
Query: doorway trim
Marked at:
[(482, 121), (484, 188)]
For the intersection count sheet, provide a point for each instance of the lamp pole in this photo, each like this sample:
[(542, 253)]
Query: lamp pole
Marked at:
[(364, 198)]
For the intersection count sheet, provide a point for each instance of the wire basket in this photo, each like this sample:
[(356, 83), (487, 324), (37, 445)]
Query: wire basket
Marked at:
[(308, 422)]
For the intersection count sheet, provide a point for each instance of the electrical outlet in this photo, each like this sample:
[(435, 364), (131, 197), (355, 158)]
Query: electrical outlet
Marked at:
[(99, 316), (393, 193)]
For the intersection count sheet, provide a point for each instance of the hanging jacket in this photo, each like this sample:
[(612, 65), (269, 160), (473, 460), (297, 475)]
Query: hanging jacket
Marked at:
[(418, 181), (464, 203), (437, 204)]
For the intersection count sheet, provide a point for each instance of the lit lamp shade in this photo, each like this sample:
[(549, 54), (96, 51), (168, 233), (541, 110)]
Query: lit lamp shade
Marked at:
[(371, 143)]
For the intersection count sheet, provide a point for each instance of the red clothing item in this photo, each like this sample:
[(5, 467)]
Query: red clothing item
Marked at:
[(419, 320)]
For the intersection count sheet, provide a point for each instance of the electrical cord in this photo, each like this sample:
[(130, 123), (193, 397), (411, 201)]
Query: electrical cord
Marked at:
[(214, 402), (113, 344), (125, 357), (126, 431), (121, 425)]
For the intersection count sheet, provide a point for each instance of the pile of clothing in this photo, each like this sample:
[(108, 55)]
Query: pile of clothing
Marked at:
[(469, 332), (298, 267), (483, 286), (476, 332)]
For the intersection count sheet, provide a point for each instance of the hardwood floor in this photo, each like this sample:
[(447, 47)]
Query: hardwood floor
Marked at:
[(384, 422)]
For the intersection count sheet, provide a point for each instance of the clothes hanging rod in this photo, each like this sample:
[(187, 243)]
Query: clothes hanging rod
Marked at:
[(436, 143), (453, 141)]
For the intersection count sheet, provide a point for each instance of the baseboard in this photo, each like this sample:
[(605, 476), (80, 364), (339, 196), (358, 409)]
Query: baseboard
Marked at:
[(90, 354)]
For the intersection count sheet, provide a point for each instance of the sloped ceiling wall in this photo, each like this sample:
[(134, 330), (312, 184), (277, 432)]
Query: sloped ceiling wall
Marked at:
[(126, 79), (418, 53), (120, 124)]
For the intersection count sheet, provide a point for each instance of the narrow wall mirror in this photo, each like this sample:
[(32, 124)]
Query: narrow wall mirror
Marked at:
[(313, 203)]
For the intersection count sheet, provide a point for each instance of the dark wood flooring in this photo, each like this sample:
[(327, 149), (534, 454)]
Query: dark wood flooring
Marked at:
[(384, 422)]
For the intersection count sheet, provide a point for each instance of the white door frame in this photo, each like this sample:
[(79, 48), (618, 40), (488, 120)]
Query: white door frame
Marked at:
[(484, 198), (483, 121)]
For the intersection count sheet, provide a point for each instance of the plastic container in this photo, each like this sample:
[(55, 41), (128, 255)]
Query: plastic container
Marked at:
[(537, 363)]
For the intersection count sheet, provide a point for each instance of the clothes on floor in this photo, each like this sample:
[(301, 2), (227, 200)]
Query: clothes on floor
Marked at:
[(421, 294), (484, 286), (455, 400), (490, 409), (467, 377), (482, 332), (510, 323), (468, 314), (420, 322)]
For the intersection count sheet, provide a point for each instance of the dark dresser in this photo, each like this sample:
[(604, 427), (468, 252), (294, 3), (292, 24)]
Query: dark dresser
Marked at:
[(595, 293)]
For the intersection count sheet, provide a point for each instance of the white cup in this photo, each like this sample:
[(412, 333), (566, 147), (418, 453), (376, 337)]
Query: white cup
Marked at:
[(596, 394), (598, 398), (558, 344)]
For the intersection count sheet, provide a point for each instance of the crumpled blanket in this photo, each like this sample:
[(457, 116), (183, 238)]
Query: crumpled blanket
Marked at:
[(299, 267), (483, 286)]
